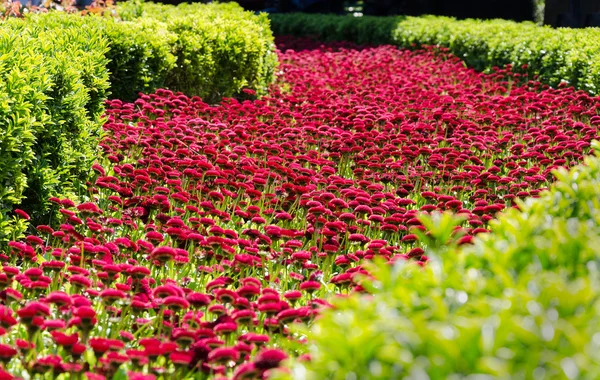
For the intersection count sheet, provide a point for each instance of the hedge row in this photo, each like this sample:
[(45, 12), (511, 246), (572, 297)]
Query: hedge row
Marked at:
[(53, 82), (522, 302), (56, 71), (555, 55), (219, 49)]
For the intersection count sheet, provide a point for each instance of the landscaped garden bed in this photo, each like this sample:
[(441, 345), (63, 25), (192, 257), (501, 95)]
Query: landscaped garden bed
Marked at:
[(68, 65), (367, 179), (553, 55)]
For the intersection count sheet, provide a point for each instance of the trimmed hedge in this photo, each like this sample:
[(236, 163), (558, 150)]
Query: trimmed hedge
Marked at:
[(57, 70), (555, 55), (220, 48), (366, 30), (522, 302), (53, 83)]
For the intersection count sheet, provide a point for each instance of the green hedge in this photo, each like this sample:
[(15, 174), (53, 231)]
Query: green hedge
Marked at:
[(219, 48), (522, 302), (556, 55), (57, 70), (53, 82)]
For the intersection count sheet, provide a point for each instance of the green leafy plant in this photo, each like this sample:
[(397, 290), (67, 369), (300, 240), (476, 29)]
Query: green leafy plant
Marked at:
[(55, 82), (219, 49), (522, 302)]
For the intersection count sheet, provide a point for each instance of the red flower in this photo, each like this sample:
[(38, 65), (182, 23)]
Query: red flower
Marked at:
[(175, 303), (163, 254), (6, 353), (87, 315), (22, 214), (246, 371), (269, 358), (310, 286), (198, 300), (181, 358), (63, 339), (223, 355)]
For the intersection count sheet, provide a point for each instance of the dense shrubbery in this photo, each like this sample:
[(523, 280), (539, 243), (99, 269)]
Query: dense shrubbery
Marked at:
[(54, 83), (555, 55), (522, 302), (219, 49), (54, 101)]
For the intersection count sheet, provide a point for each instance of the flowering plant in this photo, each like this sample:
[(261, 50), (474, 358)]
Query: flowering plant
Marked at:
[(209, 230)]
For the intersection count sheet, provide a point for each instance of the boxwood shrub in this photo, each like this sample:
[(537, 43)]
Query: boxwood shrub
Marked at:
[(554, 55), (219, 48), (53, 84), (522, 302)]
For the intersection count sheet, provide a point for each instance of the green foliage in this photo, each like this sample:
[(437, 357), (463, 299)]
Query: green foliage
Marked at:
[(522, 302), (55, 82), (555, 55), (368, 30), (219, 49), (140, 56), (24, 82)]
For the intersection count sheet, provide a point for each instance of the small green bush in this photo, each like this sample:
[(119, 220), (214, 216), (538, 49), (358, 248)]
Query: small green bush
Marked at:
[(138, 53), (522, 302), (140, 56), (555, 55), (220, 49)]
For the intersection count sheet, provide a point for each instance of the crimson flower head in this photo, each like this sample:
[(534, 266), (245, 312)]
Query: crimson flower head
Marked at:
[(114, 359), (163, 254), (80, 281), (225, 295), (22, 214), (89, 208), (66, 340), (181, 358), (24, 346), (223, 355), (246, 371), (310, 286), (257, 339), (198, 300), (87, 316), (175, 303), (54, 324), (100, 345), (109, 296), (34, 309), (139, 376), (269, 358), (139, 272), (7, 353)]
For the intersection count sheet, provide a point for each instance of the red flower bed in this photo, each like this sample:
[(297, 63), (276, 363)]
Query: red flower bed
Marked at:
[(211, 228)]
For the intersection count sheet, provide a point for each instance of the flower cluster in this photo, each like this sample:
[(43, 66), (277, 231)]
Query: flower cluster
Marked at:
[(210, 229)]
